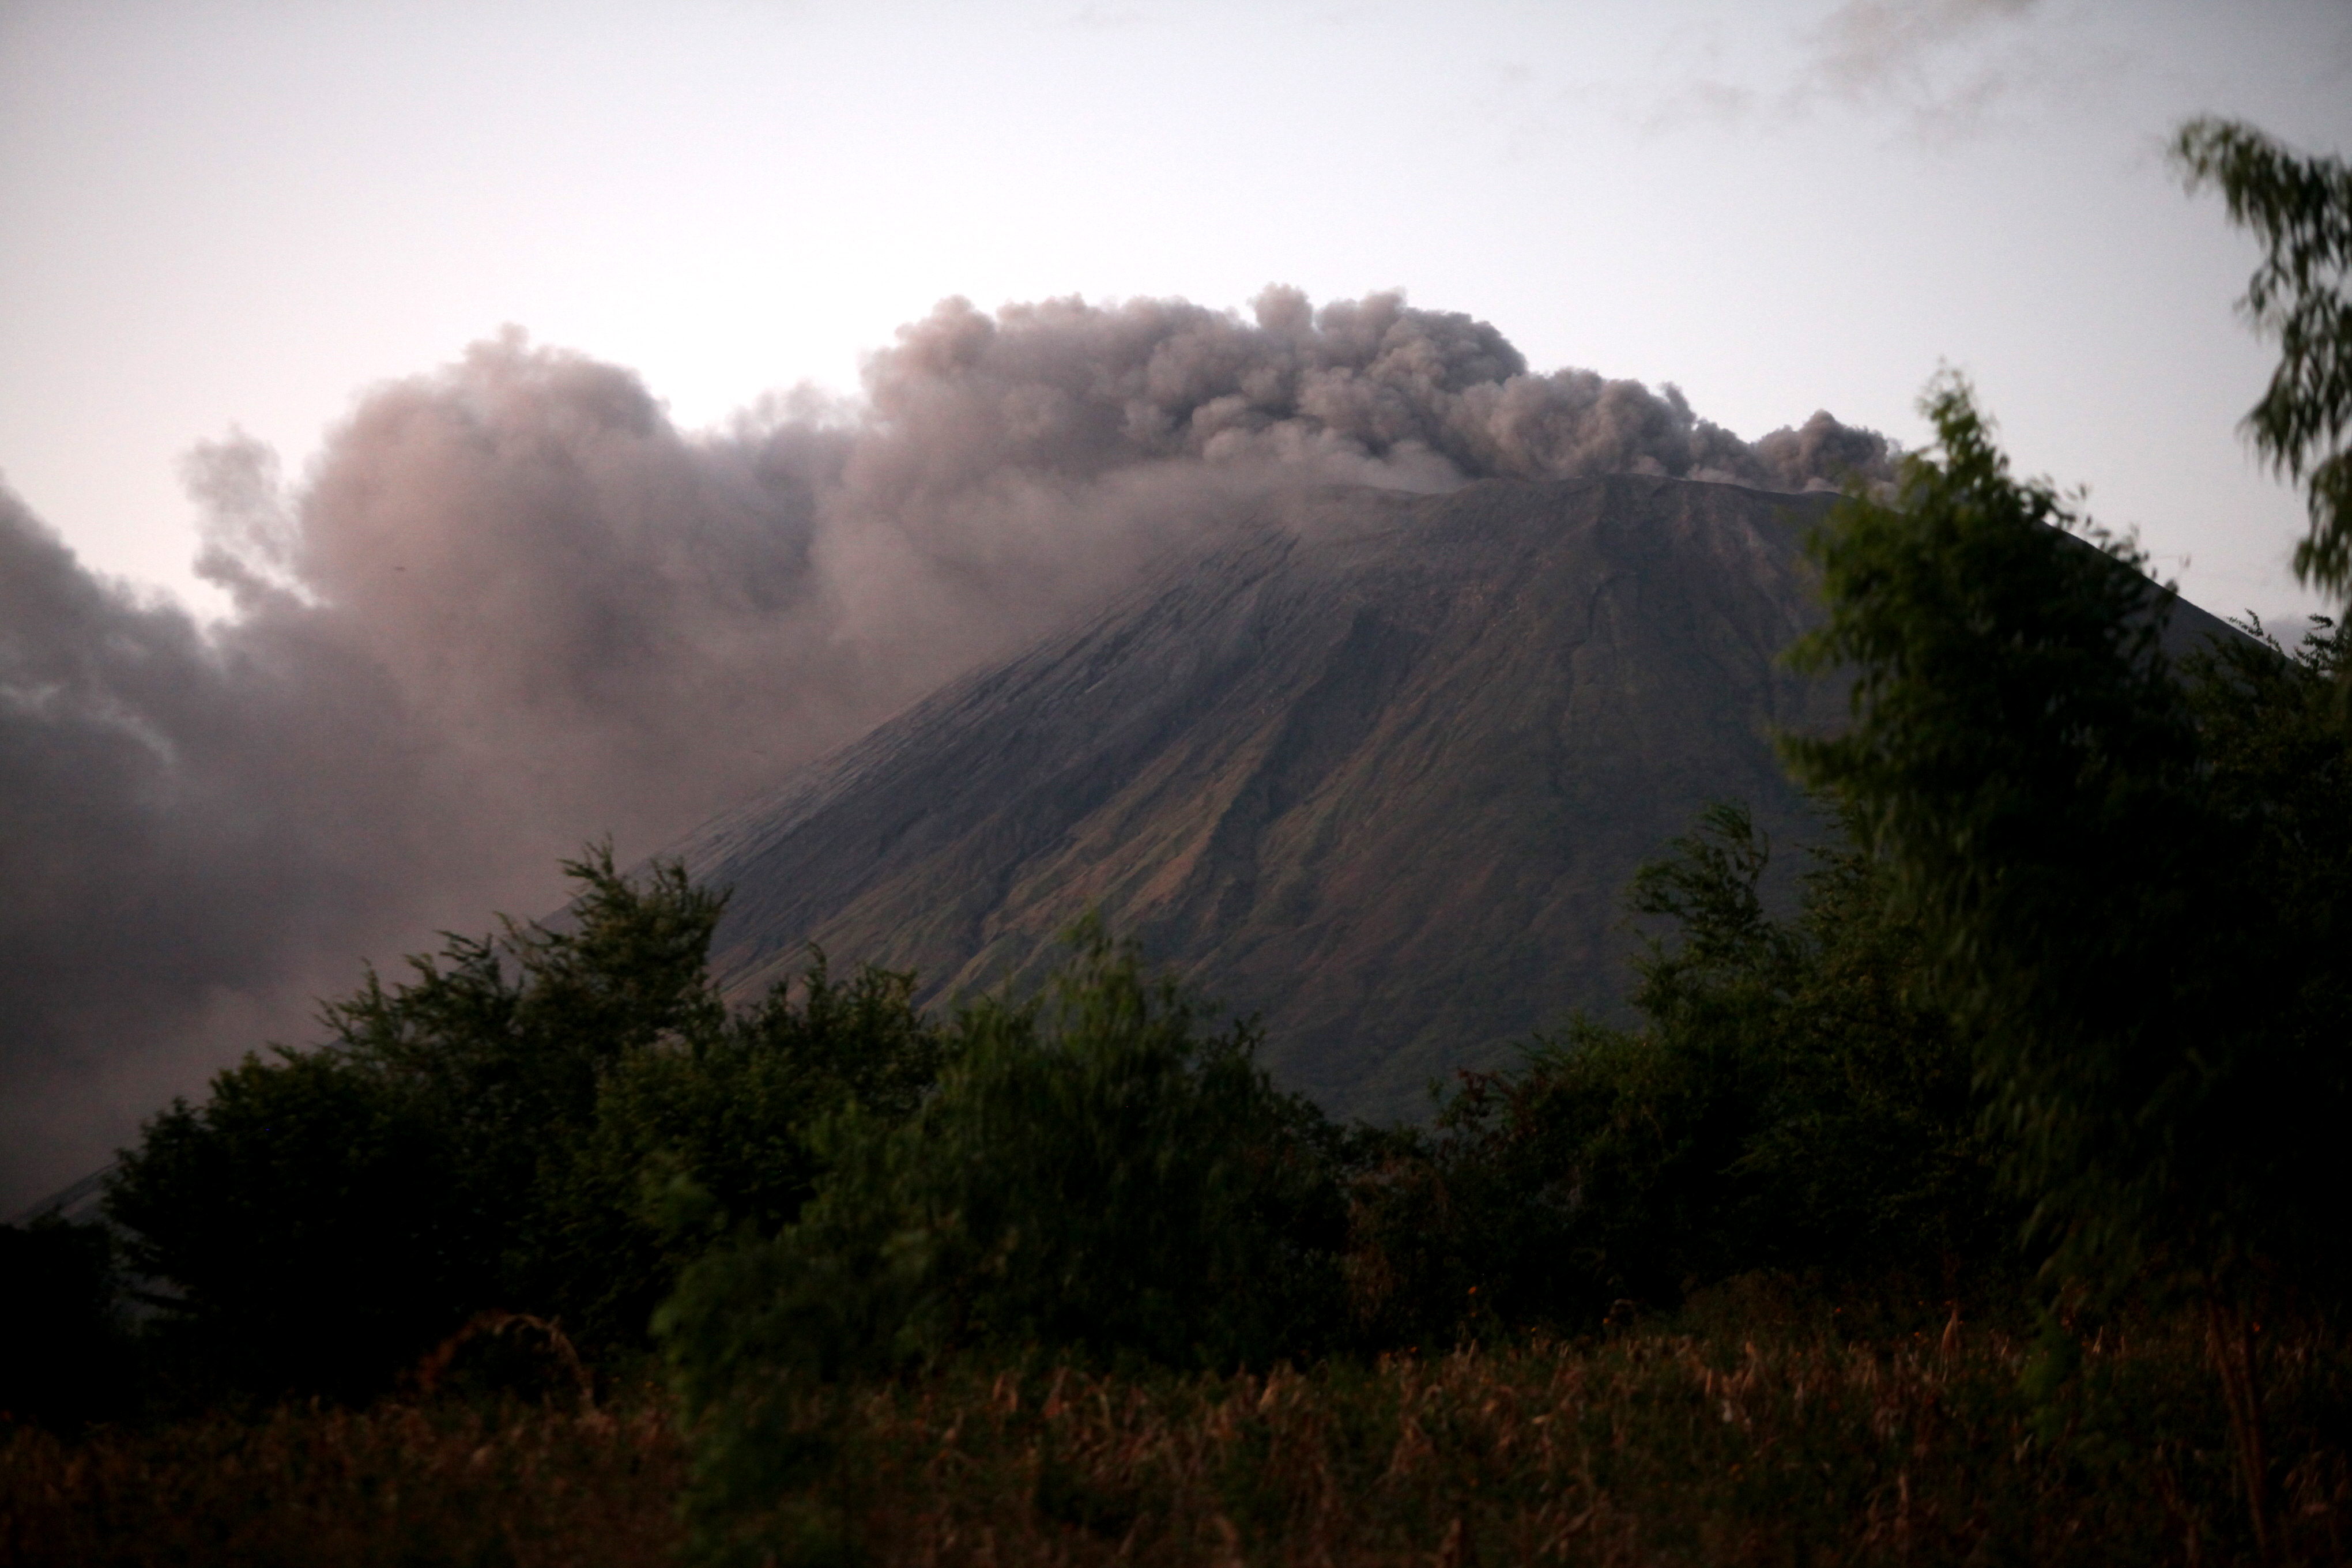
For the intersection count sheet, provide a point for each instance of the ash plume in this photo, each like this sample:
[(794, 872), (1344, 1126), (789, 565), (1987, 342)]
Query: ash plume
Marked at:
[(512, 608)]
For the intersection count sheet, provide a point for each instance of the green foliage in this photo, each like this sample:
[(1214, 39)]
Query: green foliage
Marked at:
[(2301, 209), (1095, 1176), (306, 1222), (713, 1134), (1788, 1103), (2276, 771), (549, 1121), (2088, 844), (502, 1044)]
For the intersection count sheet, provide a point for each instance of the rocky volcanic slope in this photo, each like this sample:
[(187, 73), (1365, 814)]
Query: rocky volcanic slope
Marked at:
[(1378, 771)]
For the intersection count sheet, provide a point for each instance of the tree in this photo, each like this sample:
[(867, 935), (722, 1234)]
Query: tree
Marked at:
[(1098, 1175), (549, 1120), (711, 1136), (2301, 209), (1786, 1103), (308, 1226), (503, 1042), (2132, 881)]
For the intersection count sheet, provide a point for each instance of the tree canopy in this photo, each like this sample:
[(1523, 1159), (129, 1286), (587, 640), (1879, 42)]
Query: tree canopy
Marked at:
[(548, 1120), (2301, 209), (2097, 843)]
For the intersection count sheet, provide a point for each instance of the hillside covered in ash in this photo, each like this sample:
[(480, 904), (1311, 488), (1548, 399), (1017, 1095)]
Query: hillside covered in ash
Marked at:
[(1377, 768)]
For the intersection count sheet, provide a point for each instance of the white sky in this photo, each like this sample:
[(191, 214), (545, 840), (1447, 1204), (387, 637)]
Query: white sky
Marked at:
[(216, 213)]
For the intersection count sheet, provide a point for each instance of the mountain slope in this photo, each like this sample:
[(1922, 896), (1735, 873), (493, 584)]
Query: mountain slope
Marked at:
[(1378, 770)]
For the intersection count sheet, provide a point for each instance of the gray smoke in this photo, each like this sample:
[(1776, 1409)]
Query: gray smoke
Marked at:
[(513, 608)]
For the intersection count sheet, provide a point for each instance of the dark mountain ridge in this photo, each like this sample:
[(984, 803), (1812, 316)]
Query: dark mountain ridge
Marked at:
[(1375, 767)]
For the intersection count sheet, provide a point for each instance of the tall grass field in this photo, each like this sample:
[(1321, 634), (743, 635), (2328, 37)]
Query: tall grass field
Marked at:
[(1705, 1445)]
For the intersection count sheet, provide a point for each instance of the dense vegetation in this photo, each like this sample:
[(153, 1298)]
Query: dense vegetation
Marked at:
[(563, 1122), (546, 1122), (1790, 1102)]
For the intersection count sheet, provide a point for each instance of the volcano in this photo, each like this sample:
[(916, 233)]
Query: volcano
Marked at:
[(1375, 767)]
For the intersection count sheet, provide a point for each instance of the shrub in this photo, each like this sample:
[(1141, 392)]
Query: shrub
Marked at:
[(510, 1130), (307, 1225), (1789, 1102), (1095, 1177), (712, 1134)]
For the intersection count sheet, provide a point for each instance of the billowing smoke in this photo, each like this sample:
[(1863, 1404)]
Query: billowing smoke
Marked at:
[(513, 609)]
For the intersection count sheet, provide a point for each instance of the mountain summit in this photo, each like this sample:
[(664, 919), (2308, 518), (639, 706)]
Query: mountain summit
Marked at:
[(1376, 767)]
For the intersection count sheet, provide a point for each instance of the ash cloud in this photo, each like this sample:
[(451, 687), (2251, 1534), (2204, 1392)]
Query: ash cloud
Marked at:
[(1942, 68), (512, 608), (1868, 49)]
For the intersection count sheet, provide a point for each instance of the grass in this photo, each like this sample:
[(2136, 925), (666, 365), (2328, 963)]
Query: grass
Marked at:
[(511, 1486), (1648, 1448), (1645, 1449)]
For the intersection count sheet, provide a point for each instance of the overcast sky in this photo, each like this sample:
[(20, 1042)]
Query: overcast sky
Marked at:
[(222, 215)]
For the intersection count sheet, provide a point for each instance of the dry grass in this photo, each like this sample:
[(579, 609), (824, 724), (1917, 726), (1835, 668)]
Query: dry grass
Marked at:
[(1645, 1449), (522, 1486)]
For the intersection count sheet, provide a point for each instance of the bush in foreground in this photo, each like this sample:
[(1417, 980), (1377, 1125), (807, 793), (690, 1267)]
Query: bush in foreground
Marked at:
[(1098, 1174), (506, 1130), (1787, 1101)]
